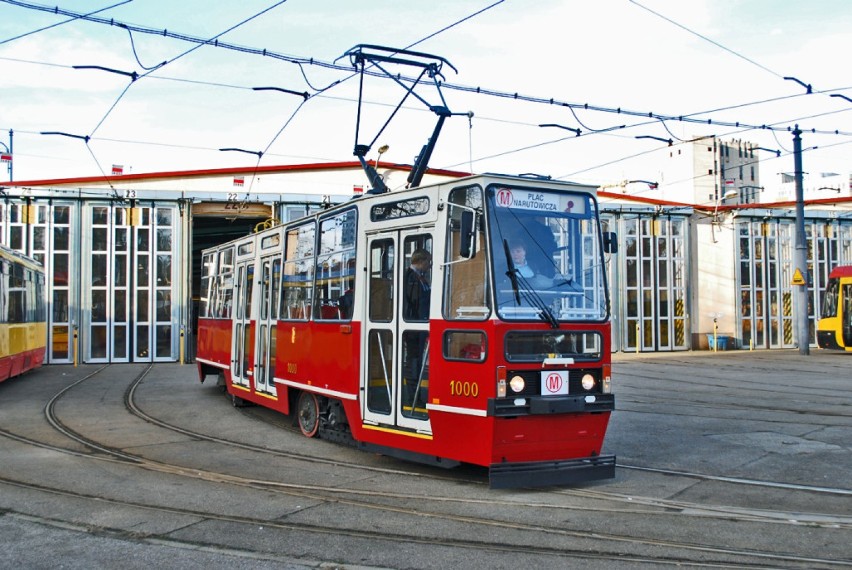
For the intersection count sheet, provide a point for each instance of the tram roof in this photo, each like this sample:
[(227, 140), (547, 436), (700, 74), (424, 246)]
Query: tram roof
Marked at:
[(841, 271), (18, 257)]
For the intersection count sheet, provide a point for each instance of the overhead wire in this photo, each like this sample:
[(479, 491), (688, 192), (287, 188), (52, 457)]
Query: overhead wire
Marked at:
[(134, 77), (214, 41), (335, 83), (57, 24), (692, 118), (706, 39), (454, 24), (136, 54), (183, 54)]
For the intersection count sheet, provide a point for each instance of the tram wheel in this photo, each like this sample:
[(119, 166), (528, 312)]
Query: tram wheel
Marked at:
[(308, 410), (237, 402)]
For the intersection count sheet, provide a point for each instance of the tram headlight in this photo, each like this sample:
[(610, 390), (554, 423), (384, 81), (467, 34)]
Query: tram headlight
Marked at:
[(588, 381), (517, 384)]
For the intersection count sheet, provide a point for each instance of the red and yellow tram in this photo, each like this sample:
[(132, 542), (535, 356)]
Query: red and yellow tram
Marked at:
[(466, 321), (834, 330), (22, 314)]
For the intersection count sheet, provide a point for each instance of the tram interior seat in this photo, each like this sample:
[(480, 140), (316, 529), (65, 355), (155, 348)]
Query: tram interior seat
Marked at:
[(297, 311), (329, 312)]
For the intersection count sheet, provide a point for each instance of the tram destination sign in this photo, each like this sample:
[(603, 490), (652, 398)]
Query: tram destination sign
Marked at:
[(539, 201)]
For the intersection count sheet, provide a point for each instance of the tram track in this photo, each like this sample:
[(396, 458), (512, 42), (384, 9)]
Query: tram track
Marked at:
[(695, 508), (690, 378), (365, 499), (820, 407), (682, 411), (757, 559)]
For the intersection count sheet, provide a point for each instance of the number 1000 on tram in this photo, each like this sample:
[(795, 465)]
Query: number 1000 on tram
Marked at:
[(463, 322)]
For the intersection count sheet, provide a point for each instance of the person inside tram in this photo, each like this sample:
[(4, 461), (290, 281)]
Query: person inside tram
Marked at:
[(346, 304), (417, 286), (537, 273), (518, 251)]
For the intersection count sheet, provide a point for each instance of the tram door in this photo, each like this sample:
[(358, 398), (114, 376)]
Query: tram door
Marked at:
[(396, 367), (267, 291), (241, 363)]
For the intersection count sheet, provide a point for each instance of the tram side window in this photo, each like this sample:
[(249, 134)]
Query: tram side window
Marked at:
[(40, 301), (17, 297), (335, 284), (417, 278), (382, 255), (276, 286), (4, 291), (208, 280), (297, 277), (847, 313), (465, 280), (829, 304), (225, 284)]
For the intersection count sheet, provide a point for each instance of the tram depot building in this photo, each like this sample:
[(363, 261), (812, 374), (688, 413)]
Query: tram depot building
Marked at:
[(122, 256)]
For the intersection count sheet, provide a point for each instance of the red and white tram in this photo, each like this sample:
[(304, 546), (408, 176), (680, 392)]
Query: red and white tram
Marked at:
[(466, 321)]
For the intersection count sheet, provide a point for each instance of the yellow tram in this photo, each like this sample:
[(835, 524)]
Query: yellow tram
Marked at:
[(835, 327), (22, 314)]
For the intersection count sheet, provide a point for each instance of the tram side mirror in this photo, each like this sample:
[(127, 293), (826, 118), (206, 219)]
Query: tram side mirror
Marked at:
[(610, 242), (467, 237)]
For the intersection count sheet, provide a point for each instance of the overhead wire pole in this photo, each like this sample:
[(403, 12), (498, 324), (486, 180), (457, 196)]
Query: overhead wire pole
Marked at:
[(800, 259), (9, 155)]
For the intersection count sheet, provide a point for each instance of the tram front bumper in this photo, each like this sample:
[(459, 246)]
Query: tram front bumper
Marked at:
[(828, 339), (551, 473), (539, 405)]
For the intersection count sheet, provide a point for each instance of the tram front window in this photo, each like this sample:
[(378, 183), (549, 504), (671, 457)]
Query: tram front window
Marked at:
[(545, 248)]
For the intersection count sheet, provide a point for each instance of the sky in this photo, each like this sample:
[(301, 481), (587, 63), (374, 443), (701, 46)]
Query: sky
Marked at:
[(721, 62)]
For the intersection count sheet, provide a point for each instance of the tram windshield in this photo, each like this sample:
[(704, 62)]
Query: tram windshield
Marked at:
[(546, 253)]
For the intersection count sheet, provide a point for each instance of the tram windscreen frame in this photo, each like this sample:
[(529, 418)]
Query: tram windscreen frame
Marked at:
[(559, 276)]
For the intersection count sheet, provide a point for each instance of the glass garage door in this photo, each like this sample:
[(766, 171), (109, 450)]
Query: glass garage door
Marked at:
[(129, 277), (654, 284), (766, 311)]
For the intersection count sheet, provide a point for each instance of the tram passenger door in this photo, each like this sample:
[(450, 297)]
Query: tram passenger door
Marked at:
[(396, 374), (265, 330), (241, 365)]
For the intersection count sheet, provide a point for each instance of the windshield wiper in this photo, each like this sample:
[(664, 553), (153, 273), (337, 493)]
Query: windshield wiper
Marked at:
[(530, 295), (536, 301)]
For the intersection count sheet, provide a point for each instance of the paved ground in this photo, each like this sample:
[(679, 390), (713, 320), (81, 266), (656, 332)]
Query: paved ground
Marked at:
[(732, 450)]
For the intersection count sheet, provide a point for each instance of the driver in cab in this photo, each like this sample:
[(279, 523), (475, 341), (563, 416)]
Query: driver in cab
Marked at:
[(523, 267)]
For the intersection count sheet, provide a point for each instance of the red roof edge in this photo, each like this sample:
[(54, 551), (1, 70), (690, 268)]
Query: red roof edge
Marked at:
[(643, 199), (250, 170)]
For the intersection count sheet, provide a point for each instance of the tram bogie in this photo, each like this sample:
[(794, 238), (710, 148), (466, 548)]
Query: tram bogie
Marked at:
[(412, 323), (23, 326), (834, 330)]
